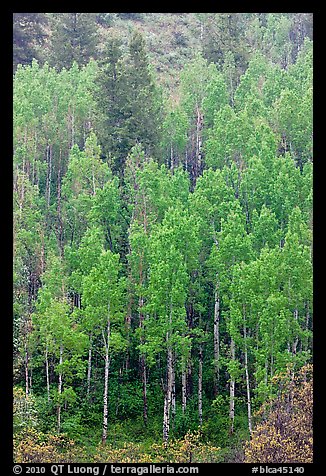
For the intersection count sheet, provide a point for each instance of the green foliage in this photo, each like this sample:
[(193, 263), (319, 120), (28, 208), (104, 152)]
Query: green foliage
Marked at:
[(131, 110), (86, 177), (28, 33), (24, 411), (162, 234), (223, 33), (102, 288), (190, 449), (238, 137), (74, 38)]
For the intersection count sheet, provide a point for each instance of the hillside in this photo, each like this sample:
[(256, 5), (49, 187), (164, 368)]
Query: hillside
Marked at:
[(162, 191)]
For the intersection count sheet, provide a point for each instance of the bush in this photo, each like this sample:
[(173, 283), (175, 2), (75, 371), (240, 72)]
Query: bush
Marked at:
[(37, 447), (285, 434), (189, 449), (24, 411), (180, 39)]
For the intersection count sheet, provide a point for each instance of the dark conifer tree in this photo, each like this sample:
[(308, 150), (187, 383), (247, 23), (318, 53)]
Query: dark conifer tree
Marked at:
[(109, 94), (74, 38), (143, 107), (28, 32), (223, 33), (128, 101)]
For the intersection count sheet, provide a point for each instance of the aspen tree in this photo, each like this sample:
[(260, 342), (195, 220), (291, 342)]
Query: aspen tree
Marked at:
[(102, 291)]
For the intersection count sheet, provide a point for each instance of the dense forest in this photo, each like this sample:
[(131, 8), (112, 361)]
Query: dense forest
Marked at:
[(162, 225)]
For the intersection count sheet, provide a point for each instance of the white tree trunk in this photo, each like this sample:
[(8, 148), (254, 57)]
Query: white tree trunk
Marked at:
[(60, 389), (307, 325), (173, 401), (26, 369), (47, 372), (199, 125), (143, 366), (89, 369), (49, 174), (73, 128), (93, 181), (184, 387), (106, 379), (200, 386), (216, 340), (295, 343), (232, 391), (168, 397), (247, 375), (144, 381)]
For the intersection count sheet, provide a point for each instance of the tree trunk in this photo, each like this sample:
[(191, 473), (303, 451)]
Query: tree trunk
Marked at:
[(216, 341), (173, 402), (60, 390), (266, 370), (289, 325), (117, 404), (32, 178), (128, 327), (60, 226), (42, 255), (231, 88), (22, 196), (30, 379), (93, 181), (232, 391), (272, 350), (295, 343), (49, 174), (169, 383), (22, 192), (143, 367), (199, 126), (184, 387), (144, 382), (200, 386), (89, 369), (307, 326), (106, 380), (47, 373), (247, 375), (166, 421), (189, 379), (27, 330), (26, 369), (168, 396), (72, 127)]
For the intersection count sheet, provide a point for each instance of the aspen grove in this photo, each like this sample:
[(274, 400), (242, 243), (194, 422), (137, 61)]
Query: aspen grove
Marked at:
[(162, 225)]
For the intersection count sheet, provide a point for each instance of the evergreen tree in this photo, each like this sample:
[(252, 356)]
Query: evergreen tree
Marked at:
[(74, 38), (224, 32), (131, 112), (110, 95), (143, 103), (28, 33)]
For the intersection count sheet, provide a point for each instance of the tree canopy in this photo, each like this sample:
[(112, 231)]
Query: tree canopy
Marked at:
[(162, 269)]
